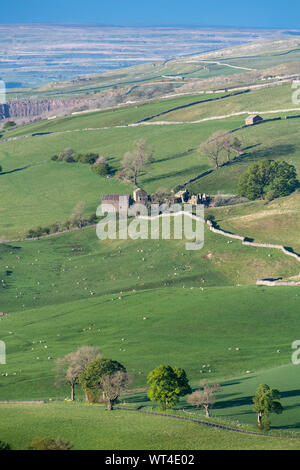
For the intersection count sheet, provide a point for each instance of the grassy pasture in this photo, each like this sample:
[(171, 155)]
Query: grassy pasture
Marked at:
[(90, 427), (267, 99), (184, 326), (114, 117), (47, 191), (275, 222), (55, 269), (277, 140)]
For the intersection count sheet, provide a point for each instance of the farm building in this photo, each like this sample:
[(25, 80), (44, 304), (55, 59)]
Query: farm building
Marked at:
[(120, 202), (140, 196), (251, 120), (181, 196)]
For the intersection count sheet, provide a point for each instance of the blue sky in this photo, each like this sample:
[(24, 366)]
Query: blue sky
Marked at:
[(252, 13)]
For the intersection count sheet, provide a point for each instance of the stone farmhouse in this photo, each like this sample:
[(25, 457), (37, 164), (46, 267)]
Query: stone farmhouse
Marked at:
[(141, 197)]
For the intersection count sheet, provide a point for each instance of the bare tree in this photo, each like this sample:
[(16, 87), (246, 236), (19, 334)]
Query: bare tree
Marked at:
[(231, 145), (73, 364), (100, 159), (134, 163), (113, 385), (77, 214), (213, 147), (204, 397)]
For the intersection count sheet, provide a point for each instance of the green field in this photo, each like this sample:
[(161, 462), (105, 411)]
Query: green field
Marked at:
[(110, 431)]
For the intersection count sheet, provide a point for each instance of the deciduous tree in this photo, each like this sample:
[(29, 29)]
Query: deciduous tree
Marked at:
[(134, 163), (204, 397), (266, 401), (71, 366), (167, 384)]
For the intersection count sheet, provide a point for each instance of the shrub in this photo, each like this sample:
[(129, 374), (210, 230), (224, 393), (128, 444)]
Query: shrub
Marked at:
[(54, 157), (66, 155), (69, 159), (53, 228), (101, 169), (4, 446), (88, 158), (92, 219), (0, 169), (47, 443), (9, 124)]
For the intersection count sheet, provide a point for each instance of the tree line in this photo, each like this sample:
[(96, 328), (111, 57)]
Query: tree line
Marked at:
[(103, 380)]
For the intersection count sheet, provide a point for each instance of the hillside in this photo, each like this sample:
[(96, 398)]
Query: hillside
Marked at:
[(145, 302)]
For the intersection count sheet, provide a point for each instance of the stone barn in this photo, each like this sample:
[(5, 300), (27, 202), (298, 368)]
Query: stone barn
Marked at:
[(251, 120), (120, 202), (140, 196)]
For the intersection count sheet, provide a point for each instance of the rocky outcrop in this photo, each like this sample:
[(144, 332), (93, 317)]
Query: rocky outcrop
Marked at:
[(24, 109)]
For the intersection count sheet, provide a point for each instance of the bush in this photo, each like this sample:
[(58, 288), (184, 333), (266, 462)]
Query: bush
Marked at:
[(47, 443), (67, 155), (101, 169), (54, 228), (92, 219), (69, 159), (4, 446), (0, 169), (54, 157), (38, 232), (9, 124)]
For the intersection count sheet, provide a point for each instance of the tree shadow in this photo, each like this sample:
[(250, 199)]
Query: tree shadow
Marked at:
[(13, 171), (242, 401), (271, 152), (172, 157), (184, 172)]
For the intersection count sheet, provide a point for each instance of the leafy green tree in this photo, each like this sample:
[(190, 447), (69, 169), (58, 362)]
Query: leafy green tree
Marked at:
[(91, 379), (266, 401), (277, 177), (167, 384), (183, 382)]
